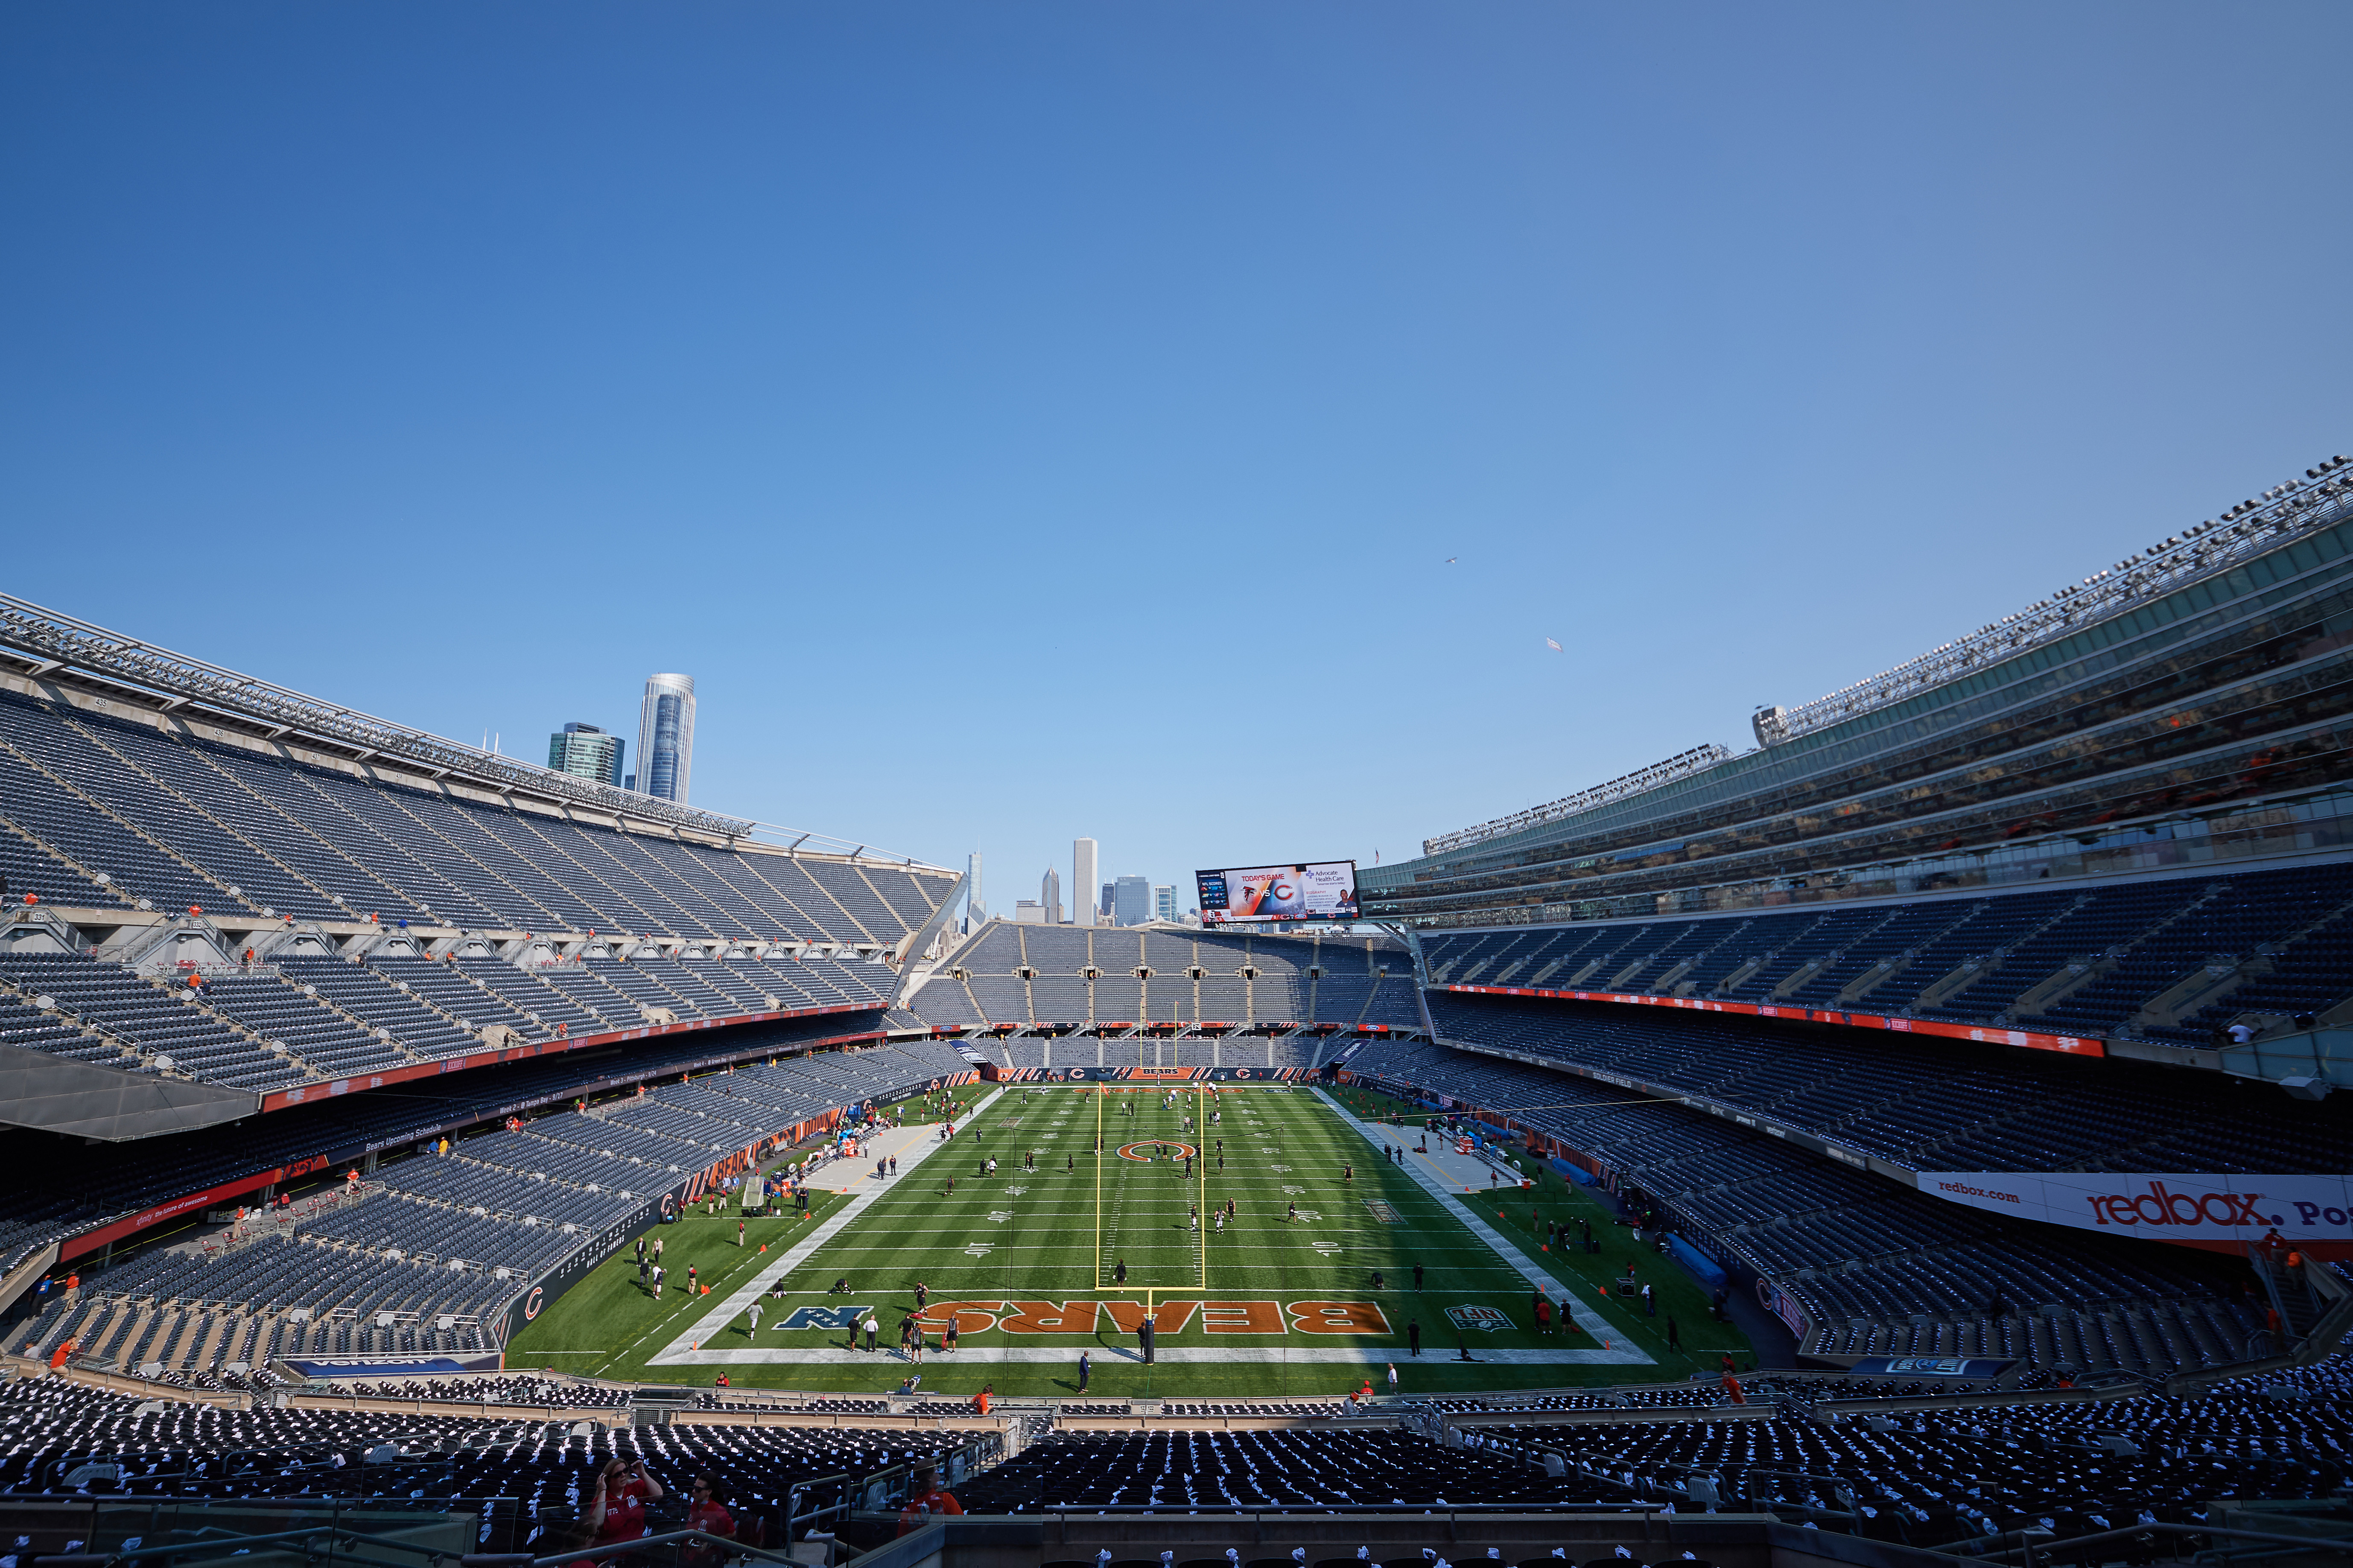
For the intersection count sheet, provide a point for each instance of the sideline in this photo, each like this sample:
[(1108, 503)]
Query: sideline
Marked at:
[(681, 1349), (1107, 1354), (696, 1349), (1592, 1323)]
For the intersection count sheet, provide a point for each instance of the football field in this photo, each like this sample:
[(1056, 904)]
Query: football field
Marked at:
[(1103, 1211)]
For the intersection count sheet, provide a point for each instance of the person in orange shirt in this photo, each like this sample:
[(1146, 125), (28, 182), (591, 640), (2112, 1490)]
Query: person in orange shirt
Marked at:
[(926, 1501)]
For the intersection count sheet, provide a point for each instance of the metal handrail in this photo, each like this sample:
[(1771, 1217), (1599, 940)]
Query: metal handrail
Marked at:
[(728, 1545), (1178, 1505), (219, 1545), (2068, 1544)]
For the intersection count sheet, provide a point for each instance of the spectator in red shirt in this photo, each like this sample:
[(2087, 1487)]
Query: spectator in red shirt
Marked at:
[(618, 1504), (926, 1501), (708, 1513)]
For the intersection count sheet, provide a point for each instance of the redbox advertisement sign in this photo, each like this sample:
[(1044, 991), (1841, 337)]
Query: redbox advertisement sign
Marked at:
[(2202, 1209)]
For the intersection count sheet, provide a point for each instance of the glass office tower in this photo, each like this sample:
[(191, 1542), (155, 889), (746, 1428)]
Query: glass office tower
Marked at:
[(665, 737), (587, 752)]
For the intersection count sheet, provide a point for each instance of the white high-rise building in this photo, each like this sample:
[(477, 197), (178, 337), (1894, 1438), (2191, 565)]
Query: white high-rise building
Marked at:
[(1164, 903), (975, 909), (665, 737), (1082, 880)]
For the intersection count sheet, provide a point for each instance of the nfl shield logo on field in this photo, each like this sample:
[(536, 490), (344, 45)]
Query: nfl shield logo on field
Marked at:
[(823, 1318), (1471, 1317)]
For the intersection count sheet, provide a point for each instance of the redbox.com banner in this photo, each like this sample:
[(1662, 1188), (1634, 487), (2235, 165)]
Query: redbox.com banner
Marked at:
[(2202, 1209)]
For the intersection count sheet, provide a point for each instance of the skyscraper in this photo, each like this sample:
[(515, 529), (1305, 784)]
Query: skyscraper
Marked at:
[(1083, 880), (665, 737), (975, 910), (1049, 895), (1131, 900), (1164, 903), (587, 752), (1106, 908)]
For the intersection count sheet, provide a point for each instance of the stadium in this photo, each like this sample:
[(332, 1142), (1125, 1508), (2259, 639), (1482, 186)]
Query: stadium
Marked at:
[(1916, 1135)]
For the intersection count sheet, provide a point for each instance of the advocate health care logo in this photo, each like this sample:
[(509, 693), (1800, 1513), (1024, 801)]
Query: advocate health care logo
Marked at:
[(1134, 1151)]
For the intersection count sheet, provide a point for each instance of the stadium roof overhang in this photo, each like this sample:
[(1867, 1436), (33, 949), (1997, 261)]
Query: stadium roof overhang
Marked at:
[(47, 641), (83, 1099)]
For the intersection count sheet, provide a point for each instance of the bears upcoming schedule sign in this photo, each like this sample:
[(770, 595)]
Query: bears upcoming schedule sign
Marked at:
[(1317, 890)]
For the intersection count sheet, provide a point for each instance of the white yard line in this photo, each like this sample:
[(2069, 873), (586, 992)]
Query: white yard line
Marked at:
[(1592, 1323), (694, 1348), (1106, 1354), (918, 1149)]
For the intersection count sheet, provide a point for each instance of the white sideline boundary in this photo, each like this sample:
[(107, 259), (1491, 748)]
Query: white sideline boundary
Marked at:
[(695, 1347), (681, 1351), (1592, 1323)]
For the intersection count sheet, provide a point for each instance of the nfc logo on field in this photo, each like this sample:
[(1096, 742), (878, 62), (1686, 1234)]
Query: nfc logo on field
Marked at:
[(824, 1318), (1477, 1317)]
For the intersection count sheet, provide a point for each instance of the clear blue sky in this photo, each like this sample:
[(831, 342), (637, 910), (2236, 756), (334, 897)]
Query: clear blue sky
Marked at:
[(1041, 419)]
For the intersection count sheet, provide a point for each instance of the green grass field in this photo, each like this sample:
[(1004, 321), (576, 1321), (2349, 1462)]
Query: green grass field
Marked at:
[(1026, 1262)]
